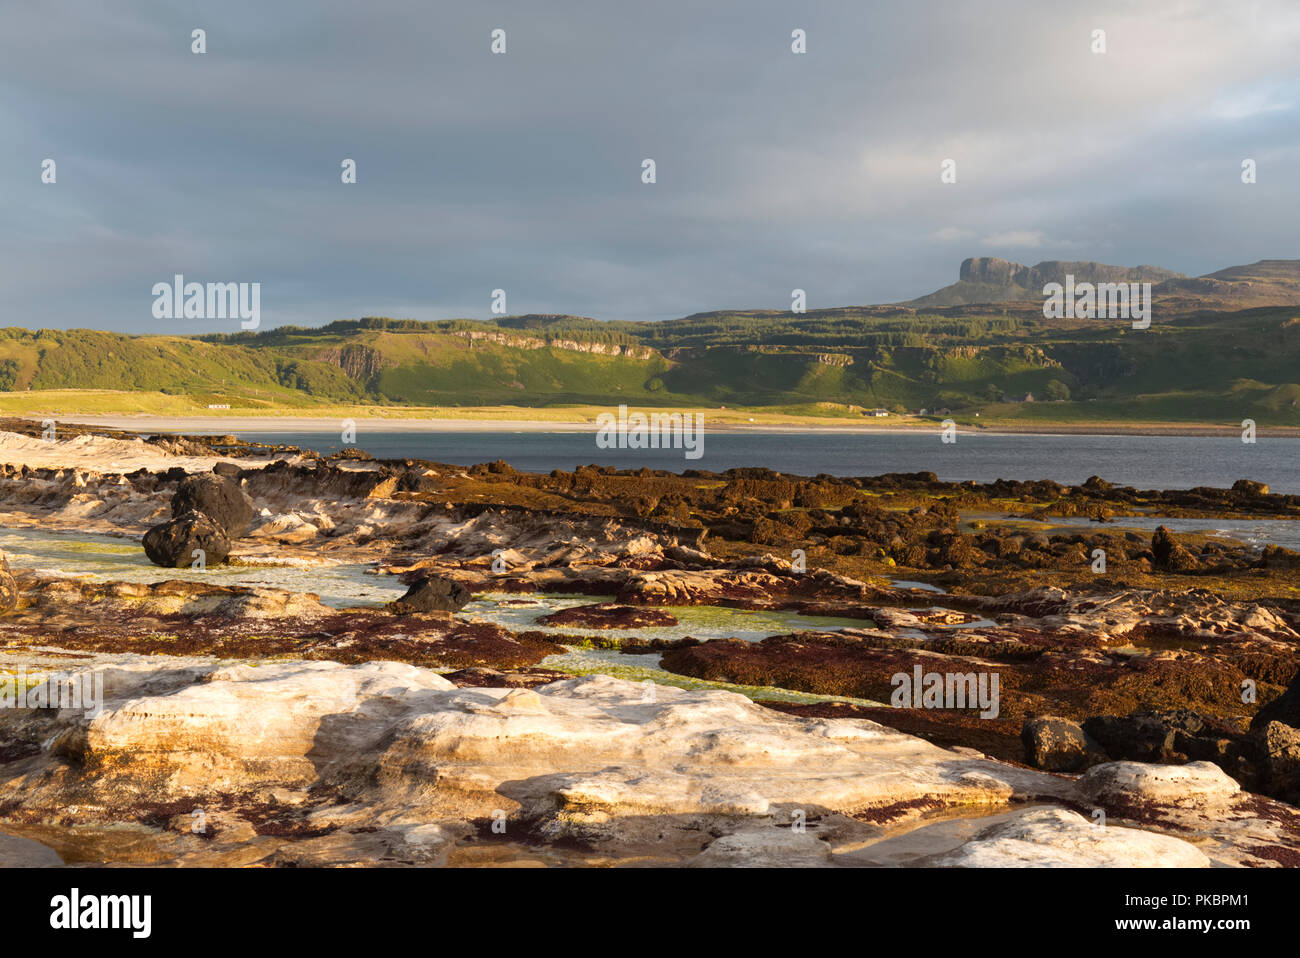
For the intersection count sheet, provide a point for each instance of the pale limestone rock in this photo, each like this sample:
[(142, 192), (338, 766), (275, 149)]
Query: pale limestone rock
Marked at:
[(576, 746), (286, 527), (1056, 837), (390, 762), (765, 848), (1197, 784), (239, 727)]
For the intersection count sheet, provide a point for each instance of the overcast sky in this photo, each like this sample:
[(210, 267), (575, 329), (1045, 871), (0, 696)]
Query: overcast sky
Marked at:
[(522, 171)]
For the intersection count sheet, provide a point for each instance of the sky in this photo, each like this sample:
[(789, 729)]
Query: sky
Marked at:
[(522, 171)]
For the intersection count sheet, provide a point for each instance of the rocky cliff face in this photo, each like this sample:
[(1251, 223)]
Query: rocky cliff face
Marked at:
[(991, 270), (358, 361), (362, 362), (990, 279), (572, 345)]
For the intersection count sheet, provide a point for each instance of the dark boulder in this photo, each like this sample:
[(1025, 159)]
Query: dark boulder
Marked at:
[(1173, 737), (230, 470), (1059, 745), (173, 543), (1142, 737), (220, 498), (432, 594)]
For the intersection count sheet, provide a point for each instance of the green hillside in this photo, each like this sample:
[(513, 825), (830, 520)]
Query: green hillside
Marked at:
[(1204, 367)]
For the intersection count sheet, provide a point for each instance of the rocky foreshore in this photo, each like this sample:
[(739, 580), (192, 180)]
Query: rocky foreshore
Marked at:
[(1140, 711)]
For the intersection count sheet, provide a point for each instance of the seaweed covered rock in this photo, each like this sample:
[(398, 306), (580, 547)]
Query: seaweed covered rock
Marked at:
[(610, 615), (1169, 554), (1285, 708), (1278, 557)]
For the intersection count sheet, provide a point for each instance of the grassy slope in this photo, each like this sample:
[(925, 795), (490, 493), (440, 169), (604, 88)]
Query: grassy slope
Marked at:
[(1219, 367), (456, 372)]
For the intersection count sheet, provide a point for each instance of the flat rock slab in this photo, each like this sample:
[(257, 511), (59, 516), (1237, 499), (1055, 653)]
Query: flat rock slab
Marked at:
[(326, 763), (1061, 838)]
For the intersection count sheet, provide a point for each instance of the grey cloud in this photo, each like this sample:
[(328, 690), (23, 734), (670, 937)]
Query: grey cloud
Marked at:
[(522, 171)]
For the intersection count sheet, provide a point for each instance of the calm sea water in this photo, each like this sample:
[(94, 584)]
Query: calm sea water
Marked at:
[(1147, 462)]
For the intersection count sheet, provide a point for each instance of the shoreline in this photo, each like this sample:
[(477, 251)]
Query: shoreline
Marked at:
[(325, 425)]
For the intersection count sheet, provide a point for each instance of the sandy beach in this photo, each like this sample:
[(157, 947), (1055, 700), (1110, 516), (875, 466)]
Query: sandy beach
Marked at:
[(100, 454), (218, 425)]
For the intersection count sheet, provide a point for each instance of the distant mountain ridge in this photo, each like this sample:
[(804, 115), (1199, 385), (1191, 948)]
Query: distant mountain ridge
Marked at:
[(989, 279), (990, 269)]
